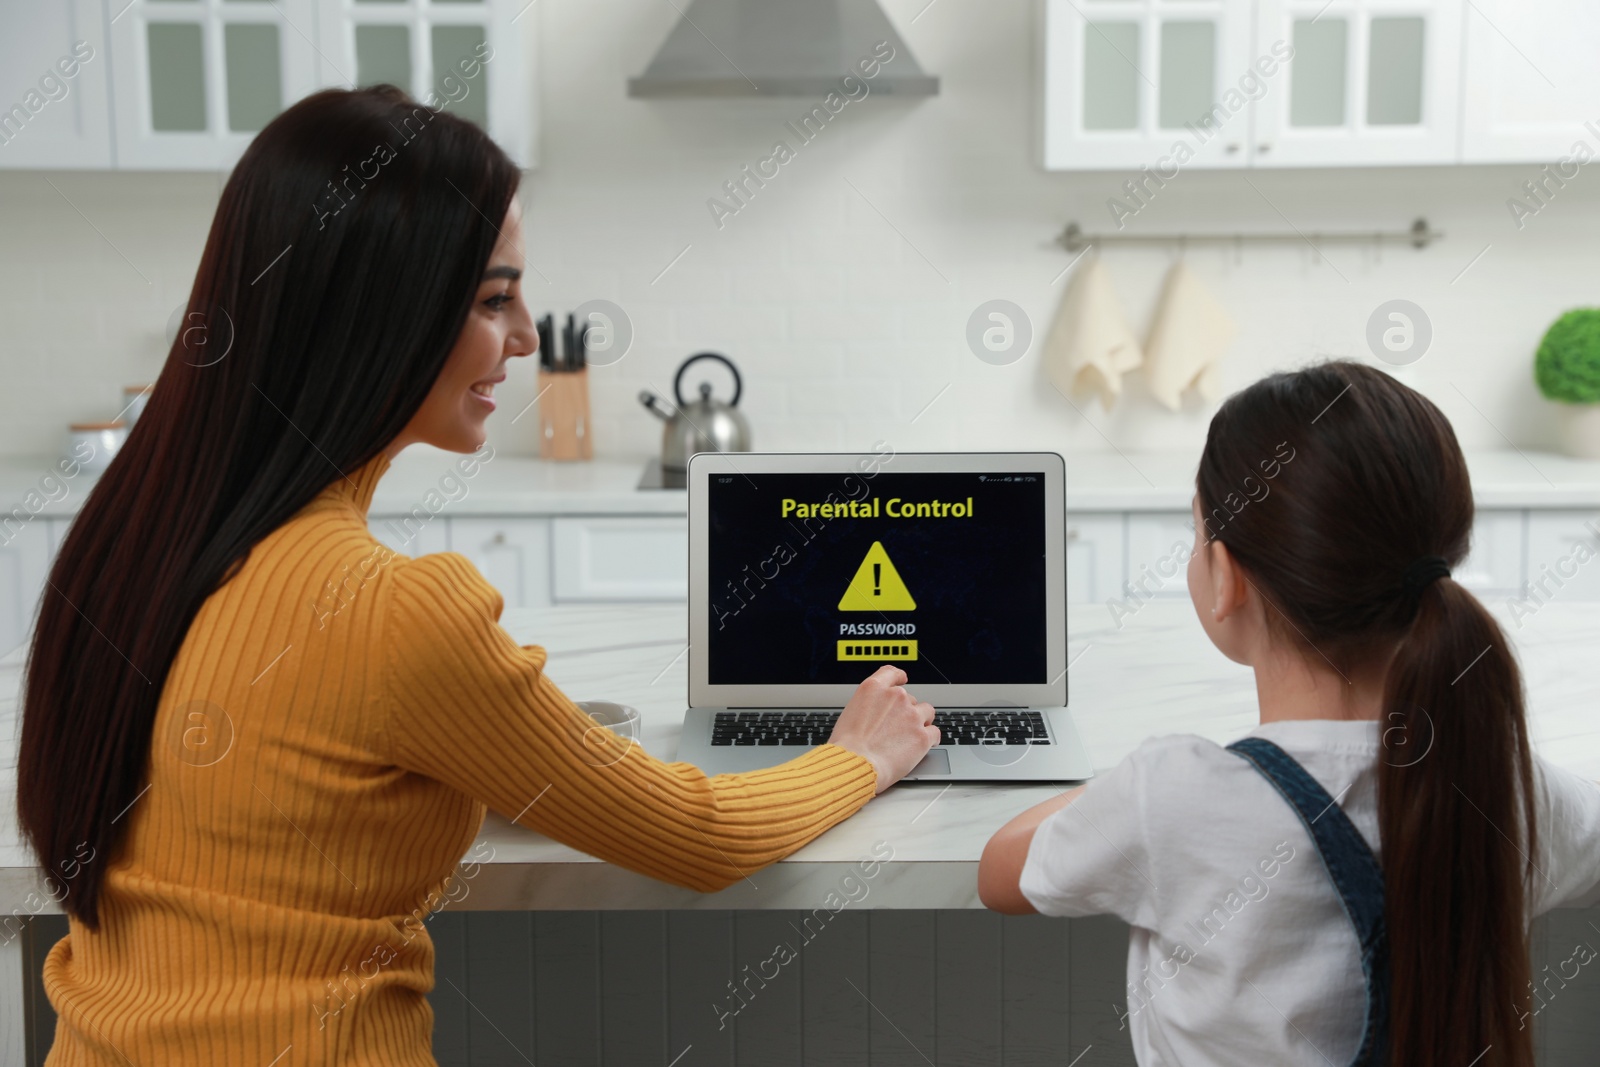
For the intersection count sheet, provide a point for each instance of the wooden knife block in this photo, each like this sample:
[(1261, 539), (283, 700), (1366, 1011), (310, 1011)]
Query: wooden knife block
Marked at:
[(564, 415)]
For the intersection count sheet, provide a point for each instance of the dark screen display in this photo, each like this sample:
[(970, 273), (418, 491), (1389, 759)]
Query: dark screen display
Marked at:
[(823, 578)]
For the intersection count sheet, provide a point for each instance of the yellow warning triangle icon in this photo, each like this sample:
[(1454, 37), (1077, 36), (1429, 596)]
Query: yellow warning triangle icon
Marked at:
[(877, 585)]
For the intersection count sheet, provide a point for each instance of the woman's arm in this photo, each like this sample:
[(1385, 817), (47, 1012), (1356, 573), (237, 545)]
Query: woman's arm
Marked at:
[(466, 705), (1000, 869)]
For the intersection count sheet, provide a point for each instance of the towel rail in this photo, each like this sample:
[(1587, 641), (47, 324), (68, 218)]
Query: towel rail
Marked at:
[(1073, 239)]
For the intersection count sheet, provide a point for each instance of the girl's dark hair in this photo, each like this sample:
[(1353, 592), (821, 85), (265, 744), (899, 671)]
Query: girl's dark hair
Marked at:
[(346, 251), (1374, 481)]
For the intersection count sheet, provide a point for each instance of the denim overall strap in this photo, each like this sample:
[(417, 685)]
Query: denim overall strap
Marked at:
[(1355, 873)]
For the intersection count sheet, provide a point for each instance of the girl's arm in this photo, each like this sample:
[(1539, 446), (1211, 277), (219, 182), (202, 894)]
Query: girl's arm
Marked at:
[(1000, 869)]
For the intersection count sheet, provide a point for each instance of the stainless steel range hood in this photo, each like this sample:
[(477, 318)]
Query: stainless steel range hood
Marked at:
[(781, 48)]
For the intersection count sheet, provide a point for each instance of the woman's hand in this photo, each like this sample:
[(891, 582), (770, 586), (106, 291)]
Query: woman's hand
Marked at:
[(887, 725)]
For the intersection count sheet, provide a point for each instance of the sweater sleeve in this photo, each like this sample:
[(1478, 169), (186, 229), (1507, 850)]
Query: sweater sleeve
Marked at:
[(467, 706)]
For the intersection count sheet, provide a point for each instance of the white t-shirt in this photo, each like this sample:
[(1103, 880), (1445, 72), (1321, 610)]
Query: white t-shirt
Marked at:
[(1240, 951)]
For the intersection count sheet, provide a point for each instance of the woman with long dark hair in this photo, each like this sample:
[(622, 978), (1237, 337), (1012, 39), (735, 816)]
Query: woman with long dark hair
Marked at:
[(1331, 507), (256, 742)]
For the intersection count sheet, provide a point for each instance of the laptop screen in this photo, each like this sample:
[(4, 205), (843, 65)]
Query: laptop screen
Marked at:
[(939, 573)]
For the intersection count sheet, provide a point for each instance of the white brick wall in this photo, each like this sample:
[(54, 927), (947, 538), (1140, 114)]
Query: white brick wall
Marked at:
[(846, 307)]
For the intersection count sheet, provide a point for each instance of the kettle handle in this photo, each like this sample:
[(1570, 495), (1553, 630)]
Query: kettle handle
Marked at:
[(738, 383), (656, 406)]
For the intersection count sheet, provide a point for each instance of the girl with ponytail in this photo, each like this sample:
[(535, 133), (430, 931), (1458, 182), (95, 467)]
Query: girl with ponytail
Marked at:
[(1352, 882)]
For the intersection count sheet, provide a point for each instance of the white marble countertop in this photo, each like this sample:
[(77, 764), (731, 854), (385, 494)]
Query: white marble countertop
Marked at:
[(1103, 481), (1157, 674)]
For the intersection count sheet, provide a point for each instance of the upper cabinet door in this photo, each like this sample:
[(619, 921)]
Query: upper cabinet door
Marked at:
[(1370, 82), (53, 65), (197, 79), (1130, 83), (1534, 80), (465, 56)]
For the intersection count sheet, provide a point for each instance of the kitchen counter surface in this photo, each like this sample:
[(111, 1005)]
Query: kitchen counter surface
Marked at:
[(520, 485), (505, 485), (1155, 674)]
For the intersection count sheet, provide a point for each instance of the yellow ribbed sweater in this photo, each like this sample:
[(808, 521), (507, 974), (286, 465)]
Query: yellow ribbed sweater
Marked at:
[(332, 728)]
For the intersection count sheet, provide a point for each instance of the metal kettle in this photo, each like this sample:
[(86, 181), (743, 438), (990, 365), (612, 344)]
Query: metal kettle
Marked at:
[(704, 424)]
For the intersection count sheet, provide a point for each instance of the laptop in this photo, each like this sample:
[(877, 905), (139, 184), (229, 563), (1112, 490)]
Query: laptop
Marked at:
[(807, 572)]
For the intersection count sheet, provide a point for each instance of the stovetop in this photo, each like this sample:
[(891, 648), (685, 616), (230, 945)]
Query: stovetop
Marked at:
[(655, 476)]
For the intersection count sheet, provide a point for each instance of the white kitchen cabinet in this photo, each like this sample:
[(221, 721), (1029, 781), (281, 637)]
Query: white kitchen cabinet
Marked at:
[(413, 535), (53, 76), (1563, 557), (1095, 558), (1172, 84), (58, 534), (1494, 565), (1532, 83), (597, 558), (186, 84), (1159, 546), (468, 52), (25, 556), (1127, 80), (513, 555), (1371, 82), (196, 80)]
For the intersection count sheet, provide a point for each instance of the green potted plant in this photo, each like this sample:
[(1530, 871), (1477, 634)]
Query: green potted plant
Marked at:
[(1567, 369)]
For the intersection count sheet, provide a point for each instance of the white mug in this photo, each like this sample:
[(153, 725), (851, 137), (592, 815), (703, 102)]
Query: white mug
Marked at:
[(619, 718)]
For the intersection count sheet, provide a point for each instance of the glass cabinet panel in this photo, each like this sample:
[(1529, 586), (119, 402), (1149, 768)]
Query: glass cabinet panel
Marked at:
[(177, 77), (1111, 76), (383, 54), (464, 96), (422, 45), (255, 74), (1394, 71), (193, 81), (1188, 72), (1317, 88)]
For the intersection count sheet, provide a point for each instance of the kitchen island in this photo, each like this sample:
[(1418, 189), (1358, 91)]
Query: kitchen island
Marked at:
[(1150, 672)]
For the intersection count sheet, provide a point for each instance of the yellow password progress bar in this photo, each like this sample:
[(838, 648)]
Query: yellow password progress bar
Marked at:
[(902, 649)]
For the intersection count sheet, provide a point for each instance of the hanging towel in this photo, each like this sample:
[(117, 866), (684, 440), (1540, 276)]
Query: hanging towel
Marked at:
[(1090, 346), (1187, 340)]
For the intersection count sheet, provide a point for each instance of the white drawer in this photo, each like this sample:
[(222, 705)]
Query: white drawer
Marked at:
[(1558, 568), (1094, 556), (1494, 564), (417, 534), (25, 558), (620, 558), (1159, 545), (512, 554)]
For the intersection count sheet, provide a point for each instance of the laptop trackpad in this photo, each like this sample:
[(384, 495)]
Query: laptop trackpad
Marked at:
[(937, 761)]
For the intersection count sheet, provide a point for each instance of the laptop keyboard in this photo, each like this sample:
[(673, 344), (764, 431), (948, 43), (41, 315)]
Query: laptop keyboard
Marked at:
[(996, 726)]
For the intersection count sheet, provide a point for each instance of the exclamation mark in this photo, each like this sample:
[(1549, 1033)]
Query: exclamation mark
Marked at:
[(877, 571)]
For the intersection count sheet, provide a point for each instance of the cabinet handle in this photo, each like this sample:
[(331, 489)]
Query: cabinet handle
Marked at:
[(1072, 533), (499, 538), (1266, 146), (1233, 148)]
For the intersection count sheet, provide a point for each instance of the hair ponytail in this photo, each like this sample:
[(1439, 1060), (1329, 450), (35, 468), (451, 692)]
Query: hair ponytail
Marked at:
[(1454, 784), (1347, 539)]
